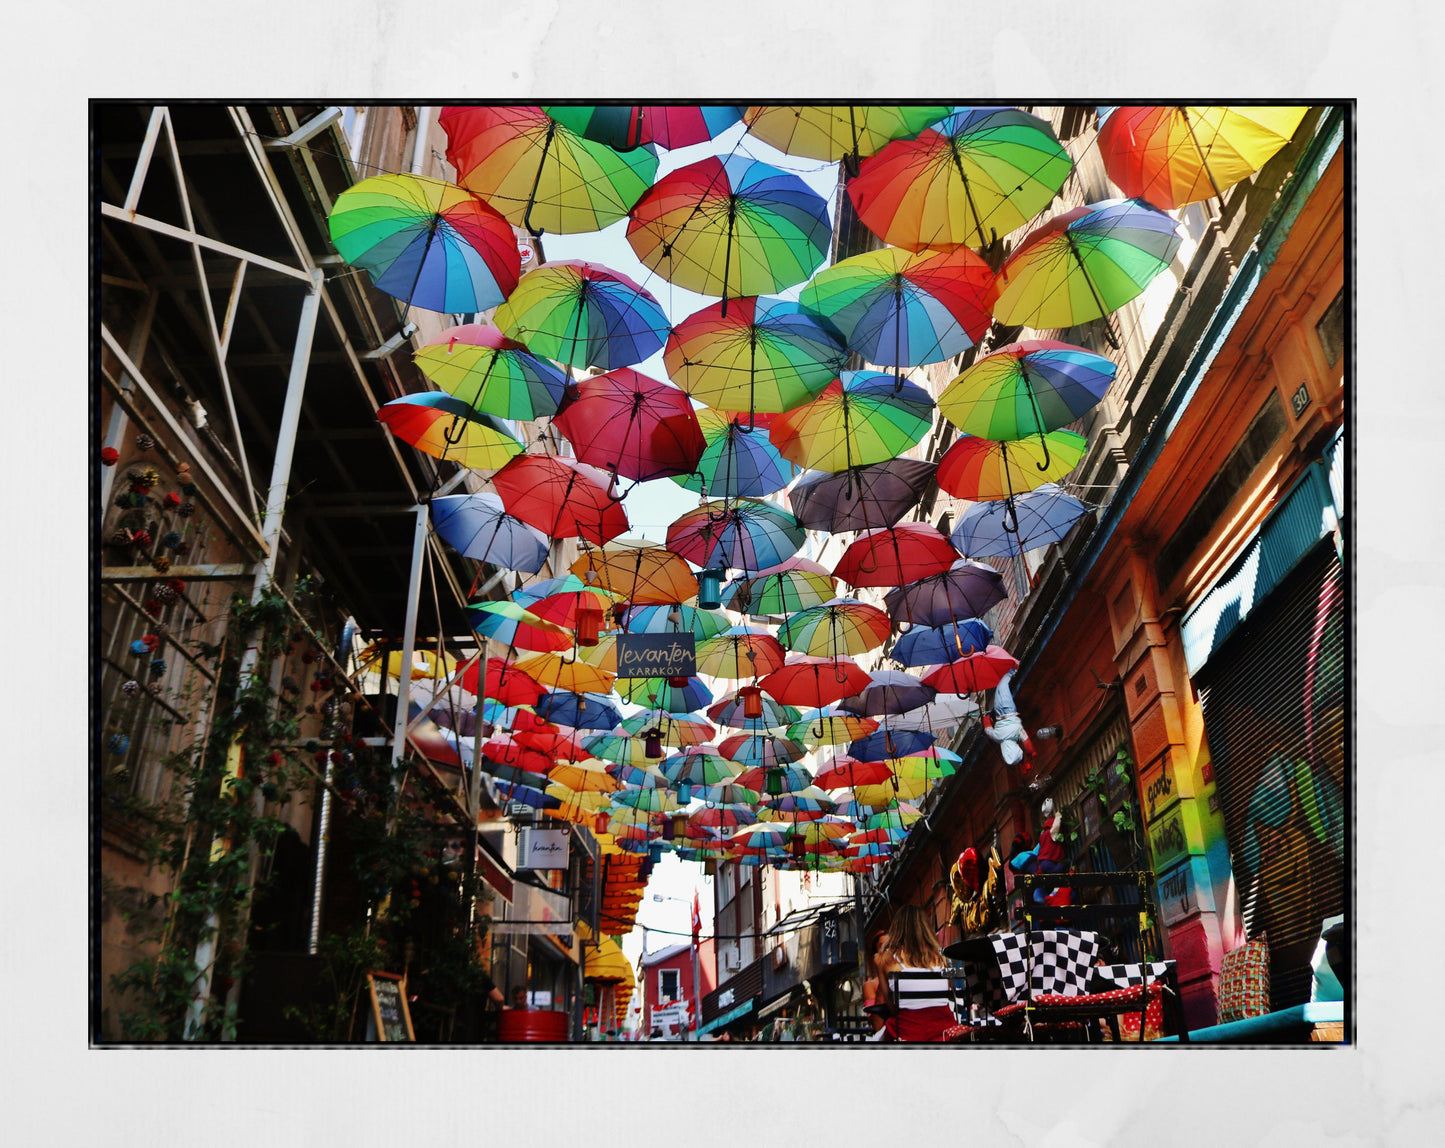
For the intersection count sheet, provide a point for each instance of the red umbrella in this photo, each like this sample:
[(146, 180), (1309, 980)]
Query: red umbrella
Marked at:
[(973, 674), (896, 555), (807, 681), (561, 497), (844, 771), (503, 683), (506, 750), (553, 742), (632, 425)]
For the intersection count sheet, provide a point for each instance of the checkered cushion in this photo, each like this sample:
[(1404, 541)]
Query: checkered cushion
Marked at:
[(1062, 961), (1106, 977)]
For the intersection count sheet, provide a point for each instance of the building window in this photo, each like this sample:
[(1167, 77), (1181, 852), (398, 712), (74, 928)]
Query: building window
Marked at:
[(667, 985), (1331, 329)]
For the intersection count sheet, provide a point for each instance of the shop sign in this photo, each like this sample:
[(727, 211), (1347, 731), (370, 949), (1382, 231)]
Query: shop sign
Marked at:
[(1157, 784), (1176, 893), (542, 849), (656, 655), (1167, 840), (725, 999)]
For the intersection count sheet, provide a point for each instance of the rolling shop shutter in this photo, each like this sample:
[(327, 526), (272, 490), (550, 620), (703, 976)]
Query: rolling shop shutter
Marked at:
[(1273, 696)]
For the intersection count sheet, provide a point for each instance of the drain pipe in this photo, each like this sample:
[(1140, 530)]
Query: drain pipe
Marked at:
[(419, 149)]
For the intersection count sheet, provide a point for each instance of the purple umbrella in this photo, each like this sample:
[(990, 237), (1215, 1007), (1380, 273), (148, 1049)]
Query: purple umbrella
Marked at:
[(862, 497), (965, 590), (888, 692)]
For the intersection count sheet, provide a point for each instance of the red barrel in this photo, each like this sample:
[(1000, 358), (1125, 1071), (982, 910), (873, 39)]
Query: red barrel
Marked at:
[(522, 1025)]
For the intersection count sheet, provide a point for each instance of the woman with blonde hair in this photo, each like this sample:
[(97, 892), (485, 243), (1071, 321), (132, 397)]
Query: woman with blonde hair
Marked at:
[(911, 964)]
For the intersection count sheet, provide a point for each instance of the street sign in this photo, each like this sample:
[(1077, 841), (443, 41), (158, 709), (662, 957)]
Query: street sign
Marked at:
[(656, 655)]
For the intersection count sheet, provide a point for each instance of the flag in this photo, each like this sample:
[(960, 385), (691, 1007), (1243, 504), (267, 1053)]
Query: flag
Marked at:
[(696, 918)]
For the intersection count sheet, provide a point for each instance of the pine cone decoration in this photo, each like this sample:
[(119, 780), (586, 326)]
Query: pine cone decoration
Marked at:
[(183, 469), (186, 509), (171, 539), (150, 476), (165, 595), (158, 667), (173, 501), (153, 607), (141, 538), (118, 744), (109, 456), (145, 442), (122, 537), (189, 489), (161, 563)]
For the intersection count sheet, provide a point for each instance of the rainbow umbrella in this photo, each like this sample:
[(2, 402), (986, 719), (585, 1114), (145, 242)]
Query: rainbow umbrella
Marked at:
[(729, 793), (724, 815), (650, 800), (700, 765), (426, 242), (983, 470), (620, 749), (822, 830), (1004, 528), (944, 712), (585, 315), (830, 726), (563, 606), (839, 626), (1026, 389), (540, 174), (785, 588), (887, 692), (973, 674), (1085, 264), (485, 369), (965, 590), (837, 132), (561, 497), (761, 751), (631, 425), (898, 815), (740, 652), (1170, 156), (511, 625), (636, 776), (674, 619), (624, 127), (731, 227), (477, 526), (680, 730), (761, 836), (899, 309), (639, 571), (729, 712), (748, 534), (661, 694), (447, 428), (755, 355), (931, 645), (800, 805), (861, 417), (929, 764), (861, 497), (808, 681), (974, 175), (896, 555), (738, 462)]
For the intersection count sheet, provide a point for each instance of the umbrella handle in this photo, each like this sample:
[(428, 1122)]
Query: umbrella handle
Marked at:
[(536, 182)]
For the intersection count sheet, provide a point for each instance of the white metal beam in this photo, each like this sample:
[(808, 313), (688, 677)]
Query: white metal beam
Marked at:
[(111, 211)]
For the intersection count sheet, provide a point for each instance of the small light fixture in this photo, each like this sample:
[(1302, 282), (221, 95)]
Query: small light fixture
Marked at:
[(1044, 733), (773, 783), (752, 699), (652, 744), (709, 589)]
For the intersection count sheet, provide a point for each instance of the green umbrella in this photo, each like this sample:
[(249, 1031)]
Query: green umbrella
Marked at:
[(862, 417)]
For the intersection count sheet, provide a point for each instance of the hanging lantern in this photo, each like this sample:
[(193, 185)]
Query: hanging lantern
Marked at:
[(652, 744), (709, 589), (679, 826), (109, 456), (752, 699), (589, 625), (797, 846), (773, 783)]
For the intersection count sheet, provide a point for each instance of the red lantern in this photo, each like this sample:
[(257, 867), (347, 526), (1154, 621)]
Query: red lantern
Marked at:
[(589, 625), (652, 744), (677, 683), (797, 846), (752, 699)]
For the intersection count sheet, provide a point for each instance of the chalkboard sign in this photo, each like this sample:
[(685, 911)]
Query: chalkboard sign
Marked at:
[(390, 1015), (656, 655)]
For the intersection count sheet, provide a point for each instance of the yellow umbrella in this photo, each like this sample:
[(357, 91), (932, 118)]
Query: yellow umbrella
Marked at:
[(424, 663), (552, 672), (643, 572), (603, 655), (588, 776), (908, 789)]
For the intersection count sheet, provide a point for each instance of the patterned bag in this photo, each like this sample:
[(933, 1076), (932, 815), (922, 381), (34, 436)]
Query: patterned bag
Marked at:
[(1244, 982)]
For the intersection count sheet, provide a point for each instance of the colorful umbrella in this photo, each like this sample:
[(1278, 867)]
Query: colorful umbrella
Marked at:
[(580, 711), (583, 777), (485, 369), (661, 694), (729, 712), (1026, 389), (740, 652), (839, 626), (504, 682), (561, 497), (738, 461), (726, 815), (899, 309), (1005, 528), (761, 751), (861, 417), (889, 743), (674, 619), (801, 805), (982, 470), (428, 243), (785, 588), (931, 645), (447, 428), (699, 765), (977, 672), (837, 132), (680, 730), (1085, 264), (558, 674), (624, 127), (887, 692), (748, 534), (897, 815), (619, 748), (636, 776), (511, 625), (944, 712), (976, 174), (631, 425), (526, 795), (1170, 156), (731, 227), (965, 590), (476, 526), (830, 726), (861, 497), (809, 681), (641, 572), (540, 174), (896, 555), (651, 800), (585, 315), (930, 764), (844, 771), (565, 606), (763, 354)]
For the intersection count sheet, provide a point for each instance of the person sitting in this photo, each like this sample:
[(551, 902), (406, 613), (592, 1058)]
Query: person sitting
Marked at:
[(913, 955), (519, 996)]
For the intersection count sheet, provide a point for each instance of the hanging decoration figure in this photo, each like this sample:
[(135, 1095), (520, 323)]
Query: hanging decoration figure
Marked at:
[(1006, 728)]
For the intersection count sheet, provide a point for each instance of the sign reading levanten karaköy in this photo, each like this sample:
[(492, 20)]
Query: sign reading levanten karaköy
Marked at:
[(656, 655)]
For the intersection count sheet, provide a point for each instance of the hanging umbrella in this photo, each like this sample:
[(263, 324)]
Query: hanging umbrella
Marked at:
[(899, 815), (504, 752), (445, 427), (639, 571), (661, 694), (899, 309), (1026, 389), (675, 619), (785, 588), (1171, 156), (929, 764), (426, 242), (425, 665), (725, 815), (748, 534), (944, 712), (504, 682), (755, 355), (976, 174), (887, 692), (737, 462), (830, 726), (539, 174), (965, 590), (1085, 264), (840, 626), (585, 315), (930, 645), (476, 526), (844, 771), (549, 739), (802, 805), (555, 673), (982, 470), (975, 673), (729, 712), (651, 800), (632, 425), (896, 555), (837, 132), (760, 751), (809, 681), (485, 369), (759, 837), (624, 127), (730, 227), (580, 711), (561, 497), (534, 592), (527, 795), (698, 766), (619, 748), (680, 730), (823, 830), (1004, 528), (739, 652), (564, 608), (509, 624), (637, 776), (861, 497), (584, 777), (862, 417)]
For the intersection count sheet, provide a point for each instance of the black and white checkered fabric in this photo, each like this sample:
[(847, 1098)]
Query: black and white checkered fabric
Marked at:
[(1062, 961), (983, 987), (1106, 978)]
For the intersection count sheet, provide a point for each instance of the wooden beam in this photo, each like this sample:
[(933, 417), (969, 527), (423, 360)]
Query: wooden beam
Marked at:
[(214, 571)]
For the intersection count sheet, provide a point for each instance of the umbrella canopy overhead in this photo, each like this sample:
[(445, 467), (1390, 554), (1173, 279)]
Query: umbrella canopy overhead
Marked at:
[(561, 497), (944, 712), (1026, 389), (486, 370), (748, 534), (966, 589), (983, 470), (840, 626), (556, 673), (861, 497), (426, 242), (580, 711), (896, 555), (740, 652), (887, 743), (932, 645), (837, 131), (631, 425), (729, 712), (661, 694), (1005, 528), (810, 681), (785, 588), (861, 417), (679, 730), (624, 127), (738, 461), (973, 674), (845, 772), (761, 751), (830, 726), (447, 428), (511, 625), (641, 572), (674, 619), (477, 526), (504, 682), (887, 692), (540, 174)]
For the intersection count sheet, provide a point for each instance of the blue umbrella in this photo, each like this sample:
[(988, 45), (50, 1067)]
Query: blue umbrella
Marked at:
[(886, 743), (511, 775), (476, 526), (527, 795), (739, 461), (1013, 525), (935, 645), (748, 534), (581, 711), (703, 624), (661, 694)]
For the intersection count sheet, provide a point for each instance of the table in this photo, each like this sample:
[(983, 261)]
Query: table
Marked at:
[(997, 966)]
